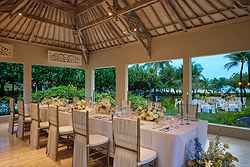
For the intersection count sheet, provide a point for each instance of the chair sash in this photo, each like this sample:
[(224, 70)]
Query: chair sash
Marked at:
[(127, 142), (54, 116), (80, 122), (35, 112), (11, 105), (81, 140), (21, 108)]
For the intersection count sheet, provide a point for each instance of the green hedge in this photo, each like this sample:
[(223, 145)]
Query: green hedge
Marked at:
[(67, 92)]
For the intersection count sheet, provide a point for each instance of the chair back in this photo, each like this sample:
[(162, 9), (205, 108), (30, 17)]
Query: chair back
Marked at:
[(21, 108), (11, 105), (81, 138), (80, 123), (35, 112), (54, 116), (126, 138)]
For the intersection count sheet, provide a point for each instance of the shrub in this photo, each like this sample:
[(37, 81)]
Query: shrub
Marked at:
[(169, 104), (67, 92), (137, 101), (100, 96)]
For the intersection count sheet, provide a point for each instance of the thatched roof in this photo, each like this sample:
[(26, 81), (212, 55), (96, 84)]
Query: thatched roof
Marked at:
[(90, 25)]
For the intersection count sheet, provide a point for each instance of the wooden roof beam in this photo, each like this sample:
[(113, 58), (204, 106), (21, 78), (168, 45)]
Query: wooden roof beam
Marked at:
[(136, 27), (45, 20), (85, 5), (58, 4), (173, 11), (123, 11), (78, 34)]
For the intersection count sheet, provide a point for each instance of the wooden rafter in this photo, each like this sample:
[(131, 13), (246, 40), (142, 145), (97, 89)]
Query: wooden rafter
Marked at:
[(85, 5), (123, 11), (58, 4), (78, 34), (136, 27), (102, 24), (173, 11), (138, 30)]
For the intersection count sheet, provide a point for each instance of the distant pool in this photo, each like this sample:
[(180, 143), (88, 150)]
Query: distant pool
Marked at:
[(4, 110), (244, 121)]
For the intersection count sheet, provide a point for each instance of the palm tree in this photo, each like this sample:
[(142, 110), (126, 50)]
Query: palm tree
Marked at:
[(236, 60)]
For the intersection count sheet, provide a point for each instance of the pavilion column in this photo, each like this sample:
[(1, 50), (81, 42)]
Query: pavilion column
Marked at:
[(121, 83), (27, 82), (90, 82), (187, 79)]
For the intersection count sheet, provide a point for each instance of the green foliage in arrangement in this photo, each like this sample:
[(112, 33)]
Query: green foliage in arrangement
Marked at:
[(100, 96), (137, 101)]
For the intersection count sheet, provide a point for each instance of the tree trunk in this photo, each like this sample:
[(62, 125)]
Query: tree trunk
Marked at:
[(241, 86), (2, 89)]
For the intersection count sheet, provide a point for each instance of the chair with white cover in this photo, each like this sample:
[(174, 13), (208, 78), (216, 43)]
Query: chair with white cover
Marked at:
[(87, 146), (13, 120), (39, 128), (59, 136), (24, 121), (127, 150)]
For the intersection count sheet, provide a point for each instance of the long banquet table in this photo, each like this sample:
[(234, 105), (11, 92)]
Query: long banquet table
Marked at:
[(170, 146)]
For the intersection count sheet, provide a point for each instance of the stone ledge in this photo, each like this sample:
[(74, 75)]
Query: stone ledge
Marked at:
[(4, 119), (229, 131)]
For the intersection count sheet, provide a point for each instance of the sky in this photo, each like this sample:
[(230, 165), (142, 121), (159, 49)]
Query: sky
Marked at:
[(213, 66)]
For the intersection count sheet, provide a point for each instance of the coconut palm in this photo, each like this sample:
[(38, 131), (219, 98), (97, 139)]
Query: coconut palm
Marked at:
[(237, 59)]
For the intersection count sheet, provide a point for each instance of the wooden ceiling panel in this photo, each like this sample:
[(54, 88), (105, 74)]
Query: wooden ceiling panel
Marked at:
[(57, 22)]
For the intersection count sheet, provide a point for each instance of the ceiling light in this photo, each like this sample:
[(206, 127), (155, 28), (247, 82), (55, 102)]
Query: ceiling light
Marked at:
[(109, 13), (20, 14), (135, 29)]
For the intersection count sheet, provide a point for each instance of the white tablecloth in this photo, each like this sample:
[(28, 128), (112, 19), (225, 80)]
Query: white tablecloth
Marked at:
[(170, 146)]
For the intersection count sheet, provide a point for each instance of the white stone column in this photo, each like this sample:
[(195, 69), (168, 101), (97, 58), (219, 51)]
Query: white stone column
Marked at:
[(27, 85), (187, 79), (89, 82), (121, 83)]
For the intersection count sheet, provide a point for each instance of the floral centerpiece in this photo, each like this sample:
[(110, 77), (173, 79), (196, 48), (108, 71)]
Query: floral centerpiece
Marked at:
[(216, 155), (61, 102), (104, 106), (80, 105), (153, 113)]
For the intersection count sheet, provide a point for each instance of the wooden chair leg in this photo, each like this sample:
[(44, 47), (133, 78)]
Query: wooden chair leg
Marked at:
[(108, 154), (12, 128), (38, 140), (23, 128)]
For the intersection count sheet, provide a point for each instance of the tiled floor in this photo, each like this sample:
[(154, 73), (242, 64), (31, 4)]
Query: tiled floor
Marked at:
[(16, 153)]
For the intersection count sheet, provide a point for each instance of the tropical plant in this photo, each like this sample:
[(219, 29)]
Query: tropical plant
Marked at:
[(237, 59)]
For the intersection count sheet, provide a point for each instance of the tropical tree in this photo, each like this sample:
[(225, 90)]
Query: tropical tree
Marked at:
[(237, 59), (105, 80)]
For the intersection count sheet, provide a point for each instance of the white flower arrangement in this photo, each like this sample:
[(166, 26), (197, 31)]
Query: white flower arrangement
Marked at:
[(61, 102), (153, 113), (104, 106), (80, 105)]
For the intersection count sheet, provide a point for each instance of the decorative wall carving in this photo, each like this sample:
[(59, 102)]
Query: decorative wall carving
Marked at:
[(6, 50), (64, 58)]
